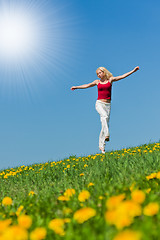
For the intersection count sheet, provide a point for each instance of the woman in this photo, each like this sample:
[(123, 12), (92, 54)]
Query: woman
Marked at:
[(103, 103)]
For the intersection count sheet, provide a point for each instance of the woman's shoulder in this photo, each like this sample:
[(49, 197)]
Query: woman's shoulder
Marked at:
[(111, 79), (96, 81)]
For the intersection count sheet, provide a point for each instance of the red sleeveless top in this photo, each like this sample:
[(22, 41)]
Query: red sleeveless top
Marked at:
[(104, 91)]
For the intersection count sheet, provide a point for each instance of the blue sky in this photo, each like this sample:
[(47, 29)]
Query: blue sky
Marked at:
[(43, 120)]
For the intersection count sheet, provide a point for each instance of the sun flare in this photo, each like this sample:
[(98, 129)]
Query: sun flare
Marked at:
[(18, 35)]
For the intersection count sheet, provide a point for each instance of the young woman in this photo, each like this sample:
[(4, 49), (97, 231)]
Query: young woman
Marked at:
[(103, 103)]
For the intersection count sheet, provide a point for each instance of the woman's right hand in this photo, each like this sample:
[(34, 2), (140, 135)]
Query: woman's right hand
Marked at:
[(73, 88)]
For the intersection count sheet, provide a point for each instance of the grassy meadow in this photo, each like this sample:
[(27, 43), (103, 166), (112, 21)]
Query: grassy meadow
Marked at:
[(110, 196)]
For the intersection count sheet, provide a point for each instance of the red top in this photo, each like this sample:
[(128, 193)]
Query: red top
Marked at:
[(104, 90)]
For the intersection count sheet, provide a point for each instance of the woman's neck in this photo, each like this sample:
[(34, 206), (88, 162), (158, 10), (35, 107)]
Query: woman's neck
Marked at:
[(103, 79)]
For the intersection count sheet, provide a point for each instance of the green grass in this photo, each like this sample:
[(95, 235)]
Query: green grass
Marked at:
[(111, 174)]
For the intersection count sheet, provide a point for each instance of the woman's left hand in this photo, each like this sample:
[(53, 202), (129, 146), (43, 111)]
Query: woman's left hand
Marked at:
[(136, 69)]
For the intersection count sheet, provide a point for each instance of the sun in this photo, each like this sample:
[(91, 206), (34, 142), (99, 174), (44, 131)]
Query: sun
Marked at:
[(19, 35), (36, 42)]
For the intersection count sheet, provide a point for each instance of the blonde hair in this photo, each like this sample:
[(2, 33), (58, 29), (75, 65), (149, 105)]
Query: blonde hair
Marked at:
[(107, 73)]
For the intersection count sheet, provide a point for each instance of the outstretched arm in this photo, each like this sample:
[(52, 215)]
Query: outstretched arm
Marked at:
[(114, 79), (92, 84)]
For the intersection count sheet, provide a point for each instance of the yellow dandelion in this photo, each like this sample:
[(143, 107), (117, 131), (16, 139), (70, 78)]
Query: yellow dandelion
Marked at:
[(84, 214), (131, 207), (148, 190), (158, 175), (24, 221), (31, 193), (138, 196), (67, 211), (114, 201), (69, 192), (83, 196), (63, 198), (4, 224), (38, 234), (132, 187), (112, 217), (151, 176), (82, 174), (16, 233), (67, 220), (85, 165), (19, 210), (100, 197), (90, 184), (7, 201), (151, 209), (57, 225), (128, 235), (122, 215)]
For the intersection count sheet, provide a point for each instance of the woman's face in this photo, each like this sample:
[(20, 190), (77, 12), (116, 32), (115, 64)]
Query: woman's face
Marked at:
[(100, 74)]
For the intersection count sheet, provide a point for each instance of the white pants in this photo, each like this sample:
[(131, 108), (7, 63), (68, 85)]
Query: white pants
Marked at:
[(104, 111)]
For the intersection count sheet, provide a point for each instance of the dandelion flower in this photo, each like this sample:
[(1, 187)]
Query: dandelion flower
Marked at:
[(31, 193), (90, 184), (83, 196), (19, 210), (100, 197), (151, 176), (148, 190), (67, 220), (151, 209), (7, 201), (84, 214), (123, 215), (128, 235), (4, 224), (138, 196), (24, 221), (82, 174), (132, 186), (112, 217), (63, 198), (16, 233), (38, 234), (69, 192), (67, 211), (114, 201), (158, 175), (57, 225)]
